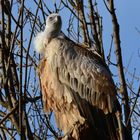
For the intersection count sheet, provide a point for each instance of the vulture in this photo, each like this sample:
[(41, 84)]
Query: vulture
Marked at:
[(77, 86)]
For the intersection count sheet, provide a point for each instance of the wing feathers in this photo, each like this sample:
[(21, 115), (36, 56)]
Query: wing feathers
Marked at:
[(85, 73)]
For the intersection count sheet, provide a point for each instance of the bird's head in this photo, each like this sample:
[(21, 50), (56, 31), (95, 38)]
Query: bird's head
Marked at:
[(53, 23), (52, 30)]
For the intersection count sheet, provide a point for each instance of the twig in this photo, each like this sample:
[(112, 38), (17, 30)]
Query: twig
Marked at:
[(93, 26), (110, 50), (8, 115), (132, 110), (21, 76)]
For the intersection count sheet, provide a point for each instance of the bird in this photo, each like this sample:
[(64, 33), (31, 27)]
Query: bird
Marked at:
[(77, 86)]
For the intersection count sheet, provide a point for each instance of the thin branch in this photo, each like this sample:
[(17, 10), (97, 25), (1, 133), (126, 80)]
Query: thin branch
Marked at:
[(93, 25), (116, 30), (21, 76), (133, 107), (8, 115)]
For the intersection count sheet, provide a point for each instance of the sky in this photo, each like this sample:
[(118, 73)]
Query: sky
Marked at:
[(129, 20), (128, 14)]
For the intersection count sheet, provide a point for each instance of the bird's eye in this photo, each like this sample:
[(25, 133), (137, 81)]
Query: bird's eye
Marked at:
[(50, 18)]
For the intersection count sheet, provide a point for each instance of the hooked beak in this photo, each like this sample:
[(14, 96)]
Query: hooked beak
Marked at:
[(57, 18)]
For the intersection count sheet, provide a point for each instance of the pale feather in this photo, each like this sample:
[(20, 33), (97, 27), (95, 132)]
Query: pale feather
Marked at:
[(39, 42)]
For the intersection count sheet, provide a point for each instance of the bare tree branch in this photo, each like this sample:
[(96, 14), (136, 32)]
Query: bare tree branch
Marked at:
[(116, 30)]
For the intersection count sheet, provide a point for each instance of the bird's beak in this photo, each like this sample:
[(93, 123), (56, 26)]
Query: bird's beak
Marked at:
[(56, 18)]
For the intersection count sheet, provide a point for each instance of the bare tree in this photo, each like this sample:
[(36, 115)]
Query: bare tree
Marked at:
[(21, 107)]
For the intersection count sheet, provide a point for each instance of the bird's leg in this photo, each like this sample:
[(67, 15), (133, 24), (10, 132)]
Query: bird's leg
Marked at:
[(118, 116)]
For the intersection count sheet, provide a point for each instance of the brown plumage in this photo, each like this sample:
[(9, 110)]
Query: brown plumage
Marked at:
[(78, 87)]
